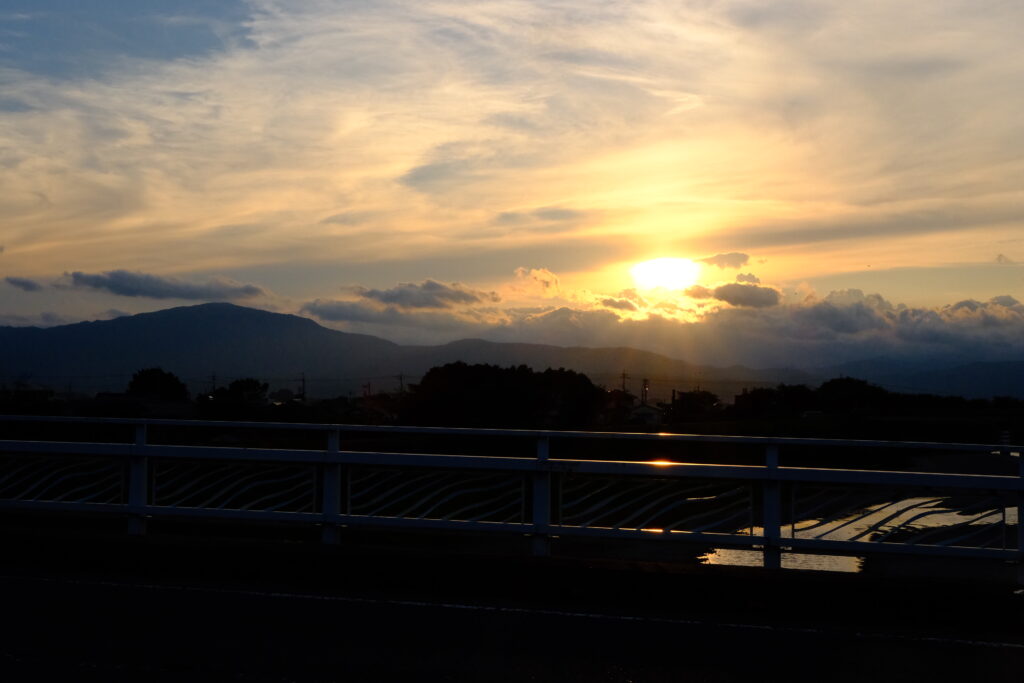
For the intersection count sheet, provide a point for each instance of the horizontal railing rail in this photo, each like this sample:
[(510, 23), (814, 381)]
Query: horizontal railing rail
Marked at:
[(766, 506), (665, 437)]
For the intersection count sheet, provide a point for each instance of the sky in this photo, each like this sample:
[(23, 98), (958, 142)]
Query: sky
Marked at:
[(834, 181)]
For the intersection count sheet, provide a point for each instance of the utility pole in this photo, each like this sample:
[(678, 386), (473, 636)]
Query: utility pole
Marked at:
[(624, 378)]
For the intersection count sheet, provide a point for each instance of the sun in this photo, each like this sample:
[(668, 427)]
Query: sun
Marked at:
[(669, 273)]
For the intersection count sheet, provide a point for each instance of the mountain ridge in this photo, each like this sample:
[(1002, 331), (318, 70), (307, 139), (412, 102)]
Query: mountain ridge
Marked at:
[(196, 342)]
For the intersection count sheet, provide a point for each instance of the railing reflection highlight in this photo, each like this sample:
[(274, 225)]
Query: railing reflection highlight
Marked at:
[(826, 505)]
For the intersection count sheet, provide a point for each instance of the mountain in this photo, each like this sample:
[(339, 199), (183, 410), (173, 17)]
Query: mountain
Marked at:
[(978, 379), (973, 380), (195, 342), (192, 341)]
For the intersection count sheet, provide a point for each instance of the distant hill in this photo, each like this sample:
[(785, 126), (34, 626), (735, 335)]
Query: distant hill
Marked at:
[(979, 379), (232, 341), (194, 342), (973, 380)]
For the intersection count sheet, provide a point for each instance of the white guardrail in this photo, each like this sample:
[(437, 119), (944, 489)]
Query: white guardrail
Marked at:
[(765, 506)]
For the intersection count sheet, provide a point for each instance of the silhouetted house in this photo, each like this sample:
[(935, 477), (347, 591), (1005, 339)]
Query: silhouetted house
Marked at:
[(645, 414), (25, 398), (617, 407), (376, 409), (690, 406), (283, 397), (122, 404)]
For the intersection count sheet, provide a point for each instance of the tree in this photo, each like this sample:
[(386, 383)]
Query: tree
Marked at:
[(157, 384), (694, 405), (244, 398), (464, 395), (248, 390), (850, 396)]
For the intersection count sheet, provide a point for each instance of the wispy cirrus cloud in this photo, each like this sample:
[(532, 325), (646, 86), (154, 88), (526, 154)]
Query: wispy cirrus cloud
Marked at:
[(652, 124)]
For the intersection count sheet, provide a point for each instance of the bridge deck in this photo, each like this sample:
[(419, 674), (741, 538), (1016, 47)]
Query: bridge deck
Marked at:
[(164, 609)]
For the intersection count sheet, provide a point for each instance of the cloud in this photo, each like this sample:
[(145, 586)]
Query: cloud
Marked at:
[(967, 305), (352, 311), (134, 284), (44, 319), (747, 295), (646, 110), (815, 333), (415, 326), (23, 284), (546, 214), (112, 313), (853, 297), (699, 292), (733, 259), (757, 328), (826, 318), (540, 279), (429, 294), (749, 278), (620, 304), (562, 326), (737, 294), (869, 221), (632, 295), (349, 218)]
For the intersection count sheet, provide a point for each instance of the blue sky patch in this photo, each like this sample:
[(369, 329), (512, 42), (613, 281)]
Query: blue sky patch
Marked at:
[(83, 38)]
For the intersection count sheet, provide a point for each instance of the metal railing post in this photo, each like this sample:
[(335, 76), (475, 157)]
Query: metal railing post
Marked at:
[(138, 486), (1020, 519), (331, 534), (541, 544), (771, 510)]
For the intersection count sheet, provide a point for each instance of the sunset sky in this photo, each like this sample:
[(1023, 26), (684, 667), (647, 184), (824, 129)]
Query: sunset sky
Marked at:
[(835, 180)]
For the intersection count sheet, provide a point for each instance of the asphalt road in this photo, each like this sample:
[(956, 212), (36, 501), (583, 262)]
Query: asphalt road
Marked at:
[(89, 609)]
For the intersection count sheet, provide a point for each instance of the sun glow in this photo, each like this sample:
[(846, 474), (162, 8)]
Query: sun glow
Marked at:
[(668, 273)]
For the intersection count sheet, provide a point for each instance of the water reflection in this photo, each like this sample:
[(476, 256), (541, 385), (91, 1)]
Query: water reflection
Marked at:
[(754, 558), (872, 523)]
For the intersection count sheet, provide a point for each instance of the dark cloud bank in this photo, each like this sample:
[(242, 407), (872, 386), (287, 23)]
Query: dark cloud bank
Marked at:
[(23, 283), (757, 330), (844, 327), (134, 284), (738, 294), (429, 294)]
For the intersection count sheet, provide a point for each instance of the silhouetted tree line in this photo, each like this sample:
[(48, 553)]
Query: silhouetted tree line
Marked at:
[(157, 384), (841, 396), (848, 408), (463, 395), (515, 397)]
